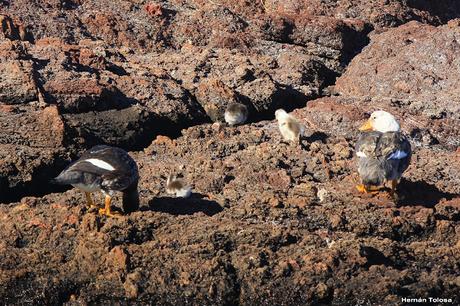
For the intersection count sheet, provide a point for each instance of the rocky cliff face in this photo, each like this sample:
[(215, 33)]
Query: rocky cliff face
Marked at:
[(268, 222)]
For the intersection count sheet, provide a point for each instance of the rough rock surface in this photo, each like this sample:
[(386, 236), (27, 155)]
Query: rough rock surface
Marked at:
[(265, 218), (414, 66), (268, 223)]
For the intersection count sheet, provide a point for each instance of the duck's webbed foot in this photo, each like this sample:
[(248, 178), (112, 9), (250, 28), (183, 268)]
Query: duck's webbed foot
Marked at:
[(368, 189), (107, 211)]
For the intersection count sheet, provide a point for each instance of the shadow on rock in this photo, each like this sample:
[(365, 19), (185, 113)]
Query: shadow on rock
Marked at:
[(421, 193), (184, 206), (316, 136), (375, 257)]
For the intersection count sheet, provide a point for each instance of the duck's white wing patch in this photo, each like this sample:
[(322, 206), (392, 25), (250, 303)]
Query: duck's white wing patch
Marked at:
[(398, 154), (100, 164), (360, 154)]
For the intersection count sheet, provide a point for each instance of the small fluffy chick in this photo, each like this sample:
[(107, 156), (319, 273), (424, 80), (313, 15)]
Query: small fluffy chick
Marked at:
[(290, 128), (178, 187), (236, 113)]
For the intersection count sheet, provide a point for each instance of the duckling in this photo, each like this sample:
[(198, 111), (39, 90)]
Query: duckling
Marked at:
[(107, 169), (383, 153), (290, 128), (178, 187), (236, 113)]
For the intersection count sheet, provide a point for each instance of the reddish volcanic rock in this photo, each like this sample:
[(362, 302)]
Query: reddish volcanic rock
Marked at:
[(411, 66), (18, 85), (78, 95), (214, 96), (268, 222), (31, 140), (379, 13), (11, 30), (246, 228)]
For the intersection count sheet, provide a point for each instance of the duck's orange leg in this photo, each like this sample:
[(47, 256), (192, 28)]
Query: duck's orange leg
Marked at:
[(106, 210)]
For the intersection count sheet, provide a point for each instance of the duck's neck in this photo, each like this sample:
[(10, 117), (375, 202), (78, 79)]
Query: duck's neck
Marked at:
[(131, 199)]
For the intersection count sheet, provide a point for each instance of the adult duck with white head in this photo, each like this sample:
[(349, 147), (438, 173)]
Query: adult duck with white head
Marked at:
[(383, 153)]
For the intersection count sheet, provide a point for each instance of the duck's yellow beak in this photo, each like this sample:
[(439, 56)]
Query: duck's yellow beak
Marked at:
[(366, 126)]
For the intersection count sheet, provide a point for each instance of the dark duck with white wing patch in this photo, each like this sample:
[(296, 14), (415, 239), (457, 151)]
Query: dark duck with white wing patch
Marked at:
[(383, 152), (106, 169)]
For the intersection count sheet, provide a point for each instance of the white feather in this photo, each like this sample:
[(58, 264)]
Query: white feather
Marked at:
[(283, 123), (233, 119), (184, 192), (397, 155), (384, 122), (281, 114), (100, 164), (360, 154)]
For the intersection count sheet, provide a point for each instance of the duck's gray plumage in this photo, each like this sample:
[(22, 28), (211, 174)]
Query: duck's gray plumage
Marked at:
[(236, 113), (104, 168), (382, 156)]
